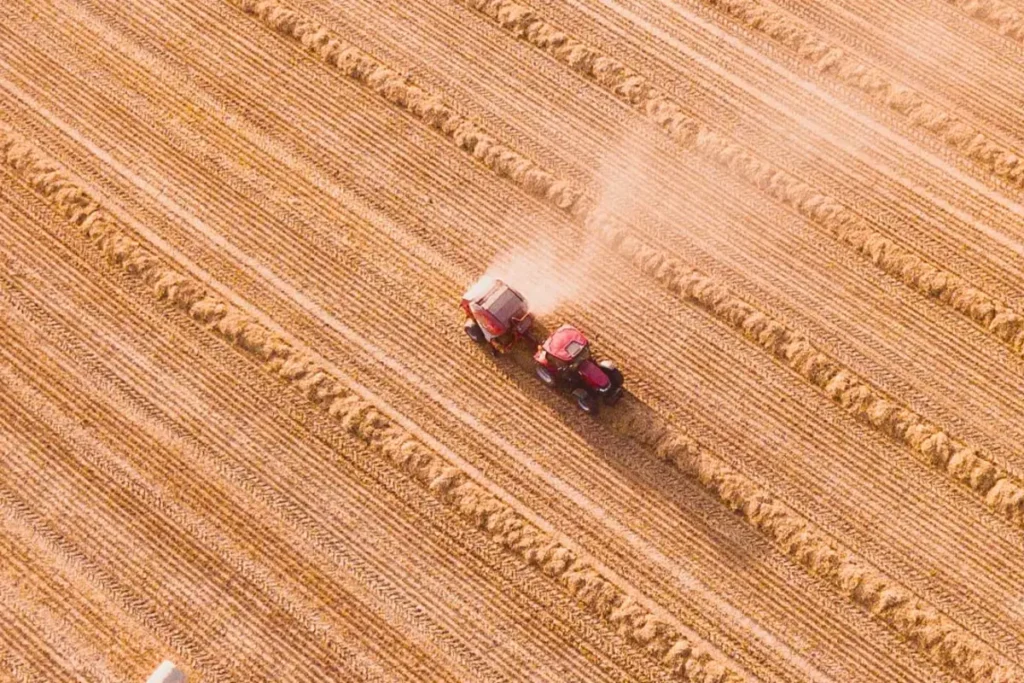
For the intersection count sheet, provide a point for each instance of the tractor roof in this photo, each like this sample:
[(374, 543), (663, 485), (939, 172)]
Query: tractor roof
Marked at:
[(565, 343)]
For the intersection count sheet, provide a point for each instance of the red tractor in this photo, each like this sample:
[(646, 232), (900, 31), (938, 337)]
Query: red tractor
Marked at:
[(499, 315), (564, 360), (496, 314)]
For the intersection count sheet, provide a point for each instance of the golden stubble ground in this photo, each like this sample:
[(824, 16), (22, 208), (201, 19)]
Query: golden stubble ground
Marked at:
[(241, 428)]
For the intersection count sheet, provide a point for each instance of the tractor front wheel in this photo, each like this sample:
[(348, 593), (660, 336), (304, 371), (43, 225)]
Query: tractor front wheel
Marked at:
[(613, 372), (474, 331), (586, 401), (545, 376)]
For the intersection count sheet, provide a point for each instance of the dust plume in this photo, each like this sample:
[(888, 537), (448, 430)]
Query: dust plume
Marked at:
[(622, 178), (539, 274), (549, 276)]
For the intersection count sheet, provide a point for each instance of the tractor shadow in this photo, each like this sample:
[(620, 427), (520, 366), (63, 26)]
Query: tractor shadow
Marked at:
[(659, 486)]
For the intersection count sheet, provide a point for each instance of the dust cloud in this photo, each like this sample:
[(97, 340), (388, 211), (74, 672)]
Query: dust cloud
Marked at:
[(540, 274), (550, 274)]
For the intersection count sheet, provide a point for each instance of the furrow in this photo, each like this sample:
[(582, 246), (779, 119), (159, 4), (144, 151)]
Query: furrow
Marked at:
[(634, 90), (586, 581)]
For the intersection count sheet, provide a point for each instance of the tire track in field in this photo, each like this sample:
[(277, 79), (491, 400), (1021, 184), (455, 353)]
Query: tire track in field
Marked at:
[(929, 443), (634, 90), (71, 557), (955, 649), (641, 316), (40, 662), (289, 257), (831, 60), (679, 652), (90, 640)]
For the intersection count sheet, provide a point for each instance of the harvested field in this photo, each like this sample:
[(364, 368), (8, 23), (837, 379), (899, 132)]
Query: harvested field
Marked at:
[(242, 429)]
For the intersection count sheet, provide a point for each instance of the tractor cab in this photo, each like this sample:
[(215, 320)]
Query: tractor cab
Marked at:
[(496, 314), (566, 350), (564, 359)]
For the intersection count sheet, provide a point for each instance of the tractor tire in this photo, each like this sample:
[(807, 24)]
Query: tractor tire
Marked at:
[(586, 401), (545, 376), (615, 377), (474, 331), (613, 372)]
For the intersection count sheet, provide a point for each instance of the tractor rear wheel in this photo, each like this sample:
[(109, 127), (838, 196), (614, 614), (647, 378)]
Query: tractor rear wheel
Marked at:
[(545, 376), (474, 331)]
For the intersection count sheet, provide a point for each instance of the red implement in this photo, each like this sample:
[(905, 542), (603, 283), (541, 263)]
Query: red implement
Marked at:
[(496, 314)]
